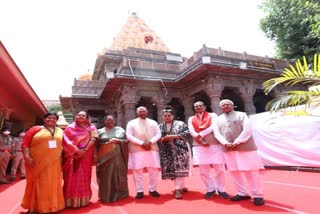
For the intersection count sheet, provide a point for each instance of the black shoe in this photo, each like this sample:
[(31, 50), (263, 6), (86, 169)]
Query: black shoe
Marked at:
[(223, 195), (185, 189), (209, 194), (139, 195), (258, 201), (23, 177), (240, 198), (12, 178), (154, 194)]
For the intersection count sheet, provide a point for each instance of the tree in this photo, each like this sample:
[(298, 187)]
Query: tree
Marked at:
[(54, 108), (294, 25), (308, 76)]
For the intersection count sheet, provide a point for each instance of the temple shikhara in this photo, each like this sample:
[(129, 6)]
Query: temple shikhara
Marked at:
[(139, 69)]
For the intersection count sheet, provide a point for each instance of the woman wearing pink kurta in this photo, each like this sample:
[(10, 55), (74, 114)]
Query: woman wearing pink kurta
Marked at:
[(78, 142)]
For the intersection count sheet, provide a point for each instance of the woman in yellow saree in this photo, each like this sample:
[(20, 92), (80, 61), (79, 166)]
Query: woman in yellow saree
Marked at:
[(42, 148), (112, 162)]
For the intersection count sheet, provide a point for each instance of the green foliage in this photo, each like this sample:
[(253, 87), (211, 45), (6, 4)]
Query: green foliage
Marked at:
[(55, 108), (294, 25), (301, 73)]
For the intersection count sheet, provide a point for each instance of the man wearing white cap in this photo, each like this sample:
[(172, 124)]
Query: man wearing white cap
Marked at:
[(233, 130), (207, 151)]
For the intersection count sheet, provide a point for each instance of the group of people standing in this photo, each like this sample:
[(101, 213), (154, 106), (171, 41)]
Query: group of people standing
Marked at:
[(59, 162), (219, 142)]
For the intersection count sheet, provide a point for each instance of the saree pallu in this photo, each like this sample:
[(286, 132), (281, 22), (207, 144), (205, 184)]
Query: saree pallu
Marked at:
[(43, 191), (77, 172), (112, 167), (77, 180)]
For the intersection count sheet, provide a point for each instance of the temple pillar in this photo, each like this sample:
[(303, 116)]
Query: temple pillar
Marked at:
[(215, 100), (120, 117), (129, 111), (161, 103), (214, 90), (247, 92), (188, 107)]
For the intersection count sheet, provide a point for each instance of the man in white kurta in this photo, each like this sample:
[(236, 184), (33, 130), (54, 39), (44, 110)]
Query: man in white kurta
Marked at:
[(233, 130), (207, 151), (143, 135)]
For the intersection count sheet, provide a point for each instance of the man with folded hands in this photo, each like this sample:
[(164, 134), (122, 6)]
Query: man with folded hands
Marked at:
[(234, 132), (143, 135), (207, 151)]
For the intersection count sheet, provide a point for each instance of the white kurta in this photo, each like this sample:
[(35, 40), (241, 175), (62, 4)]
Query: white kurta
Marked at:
[(240, 160), (208, 155), (212, 154), (147, 129)]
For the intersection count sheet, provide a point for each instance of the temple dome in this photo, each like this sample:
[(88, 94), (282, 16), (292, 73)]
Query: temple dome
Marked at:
[(85, 77), (136, 34)]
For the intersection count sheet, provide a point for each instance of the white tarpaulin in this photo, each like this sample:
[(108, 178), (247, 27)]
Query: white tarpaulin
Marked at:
[(287, 140)]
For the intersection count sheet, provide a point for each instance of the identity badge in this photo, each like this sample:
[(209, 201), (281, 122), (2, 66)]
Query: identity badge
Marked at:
[(52, 144)]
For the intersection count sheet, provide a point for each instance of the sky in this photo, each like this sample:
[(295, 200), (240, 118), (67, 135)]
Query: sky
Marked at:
[(55, 41)]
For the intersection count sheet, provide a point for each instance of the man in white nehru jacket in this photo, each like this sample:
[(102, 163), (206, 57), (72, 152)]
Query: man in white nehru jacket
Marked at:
[(234, 132)]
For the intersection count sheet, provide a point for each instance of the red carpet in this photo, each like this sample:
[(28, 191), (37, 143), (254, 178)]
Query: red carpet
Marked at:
[(285, 192)]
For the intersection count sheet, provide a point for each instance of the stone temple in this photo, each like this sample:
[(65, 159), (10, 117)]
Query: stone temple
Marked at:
[(139, 69)]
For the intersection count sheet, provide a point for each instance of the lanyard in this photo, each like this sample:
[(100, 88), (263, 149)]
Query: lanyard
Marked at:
[(52, 133)]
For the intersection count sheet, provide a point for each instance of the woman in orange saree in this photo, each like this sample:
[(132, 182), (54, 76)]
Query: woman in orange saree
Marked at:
[(42, 149), (78, 143)]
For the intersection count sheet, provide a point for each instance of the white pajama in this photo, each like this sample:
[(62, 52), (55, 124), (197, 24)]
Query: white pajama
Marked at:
[(179, 183), (138, 179), (218, 183), (254, 182)]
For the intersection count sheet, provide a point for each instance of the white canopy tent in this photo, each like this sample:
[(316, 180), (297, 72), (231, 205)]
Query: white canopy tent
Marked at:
[(287, 140)]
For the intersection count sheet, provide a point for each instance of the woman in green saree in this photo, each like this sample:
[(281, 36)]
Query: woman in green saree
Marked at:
[(112, 162)]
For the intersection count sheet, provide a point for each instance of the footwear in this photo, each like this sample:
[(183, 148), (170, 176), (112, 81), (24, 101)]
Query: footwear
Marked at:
[(240, 198), (12, 178), (139, 195), (22, 177), (4, 182), (209, 194), (258, 201), (177, 194), (185, 189), (154, 194), (223, 195)]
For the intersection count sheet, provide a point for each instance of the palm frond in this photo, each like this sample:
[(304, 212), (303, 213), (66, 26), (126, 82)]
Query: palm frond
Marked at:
[(291, 98), (295, 75)]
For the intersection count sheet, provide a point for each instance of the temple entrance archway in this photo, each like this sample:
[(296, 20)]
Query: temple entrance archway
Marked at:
[(233, 93), (150, 105), (260, 99), (178, 109), (202, 96)]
